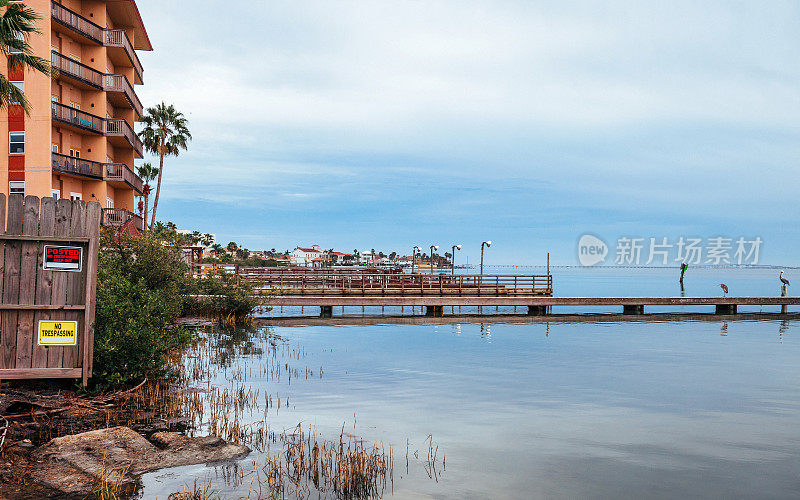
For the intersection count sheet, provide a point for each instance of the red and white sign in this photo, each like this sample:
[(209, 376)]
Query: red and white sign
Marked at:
[(62, 258)]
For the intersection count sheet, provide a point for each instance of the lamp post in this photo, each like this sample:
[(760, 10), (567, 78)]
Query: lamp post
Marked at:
[(414, 257), (453, 264), (484, 244), (433, 247)]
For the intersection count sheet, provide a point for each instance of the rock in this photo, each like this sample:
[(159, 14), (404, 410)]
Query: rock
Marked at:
[(74, 464)]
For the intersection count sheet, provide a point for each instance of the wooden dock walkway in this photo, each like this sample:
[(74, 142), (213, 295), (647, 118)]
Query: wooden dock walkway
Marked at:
[(327, 289), (536, 305)]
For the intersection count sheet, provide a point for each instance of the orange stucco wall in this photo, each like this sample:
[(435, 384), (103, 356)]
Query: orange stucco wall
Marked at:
[(42, 132)]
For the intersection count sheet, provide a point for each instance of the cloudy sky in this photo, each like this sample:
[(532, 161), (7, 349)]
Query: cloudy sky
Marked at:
[(383, 124)]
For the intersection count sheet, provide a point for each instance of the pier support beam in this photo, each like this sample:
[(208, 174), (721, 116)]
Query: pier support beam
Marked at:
[(326, 312), (726, 308), (637, 310), (434, 311), (537, 310)]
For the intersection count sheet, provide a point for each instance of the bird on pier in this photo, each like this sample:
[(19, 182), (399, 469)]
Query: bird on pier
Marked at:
[(783, 280), (724, 288)]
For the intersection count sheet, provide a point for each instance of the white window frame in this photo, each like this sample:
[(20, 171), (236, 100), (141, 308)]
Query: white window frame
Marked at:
[(12, 185), (20, 85), (109, 202), (55, 193), (11, 134), (19, 36), (54, 148), (75, 196)]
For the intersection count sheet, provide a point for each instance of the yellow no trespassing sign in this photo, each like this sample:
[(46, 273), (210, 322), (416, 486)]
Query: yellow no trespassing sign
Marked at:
[(58, 333)]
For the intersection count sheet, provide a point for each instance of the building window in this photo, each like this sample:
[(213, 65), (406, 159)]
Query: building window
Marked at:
[(19, 36), (75, 153), (75, 196), (16, 143), (55, 193), (54, 98), (21, 87), (55, 148), (109, 202), (16, 187)]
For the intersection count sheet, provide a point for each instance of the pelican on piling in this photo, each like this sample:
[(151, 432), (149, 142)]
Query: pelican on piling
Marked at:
[(724, 288), (783, 280)]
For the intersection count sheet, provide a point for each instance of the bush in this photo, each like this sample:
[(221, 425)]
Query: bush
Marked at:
[(224, 297), (140, 287), (143, 287)]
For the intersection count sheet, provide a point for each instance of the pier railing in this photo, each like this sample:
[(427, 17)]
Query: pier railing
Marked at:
[(399, 284)]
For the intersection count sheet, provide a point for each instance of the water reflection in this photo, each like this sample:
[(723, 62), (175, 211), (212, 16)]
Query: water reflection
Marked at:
[(598, 409)]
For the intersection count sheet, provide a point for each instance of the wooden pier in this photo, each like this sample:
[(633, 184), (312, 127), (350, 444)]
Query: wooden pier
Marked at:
[(327, 289), (536, 306)]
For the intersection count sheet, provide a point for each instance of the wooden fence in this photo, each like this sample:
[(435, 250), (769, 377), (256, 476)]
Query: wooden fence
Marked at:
[(32, 294)]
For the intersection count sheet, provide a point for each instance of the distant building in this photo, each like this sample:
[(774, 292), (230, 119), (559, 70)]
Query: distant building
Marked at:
[(305, 256)]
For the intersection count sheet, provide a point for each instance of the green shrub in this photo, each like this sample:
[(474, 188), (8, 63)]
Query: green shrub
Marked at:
[(222, 296), (143, 287)]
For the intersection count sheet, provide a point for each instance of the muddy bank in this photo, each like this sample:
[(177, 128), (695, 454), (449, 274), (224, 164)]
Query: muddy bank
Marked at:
[(75, 465)]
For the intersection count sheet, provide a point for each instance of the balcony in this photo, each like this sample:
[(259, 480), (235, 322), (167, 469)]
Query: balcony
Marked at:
[(78, 24), (121, 93), (64, 164), (121, 133), (116, 129), (120, 45), (121, 174), (120, 48), (120, 218), (78, 73), (77, 119)]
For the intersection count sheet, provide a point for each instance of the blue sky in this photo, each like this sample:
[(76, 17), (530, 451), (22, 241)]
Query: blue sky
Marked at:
[(387, 124)]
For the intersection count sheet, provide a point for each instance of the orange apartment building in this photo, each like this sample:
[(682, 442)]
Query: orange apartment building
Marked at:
[(79, 139)]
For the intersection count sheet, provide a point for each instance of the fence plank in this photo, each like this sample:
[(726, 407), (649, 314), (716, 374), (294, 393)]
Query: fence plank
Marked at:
[(55, 356), (2, 243), (27, 280), (75, 286), (44, 279), (11, 271), (93, 215)]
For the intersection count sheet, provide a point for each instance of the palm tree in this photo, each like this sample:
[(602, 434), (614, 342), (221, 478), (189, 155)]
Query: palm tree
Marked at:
[(207, 240), (17, 23), (217, 249), (165, 133), (147, 173)]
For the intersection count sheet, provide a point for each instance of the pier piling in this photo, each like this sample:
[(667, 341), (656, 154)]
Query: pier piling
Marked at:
[(784, 293), (537, 310), (726, 308), (326, 312), (634, 310), (434, 311)]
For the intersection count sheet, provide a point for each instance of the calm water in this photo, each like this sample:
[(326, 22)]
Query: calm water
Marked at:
[(528, 410)]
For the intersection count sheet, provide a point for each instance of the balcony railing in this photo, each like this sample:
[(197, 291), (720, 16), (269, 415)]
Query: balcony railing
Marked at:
[(75, 21), (122, 173), (116, 127), (102, 36), (77, 118), (110, 83), (118, 38), (111, 127), (120, 217), (76, 69), (120, 83), (77, 166)]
